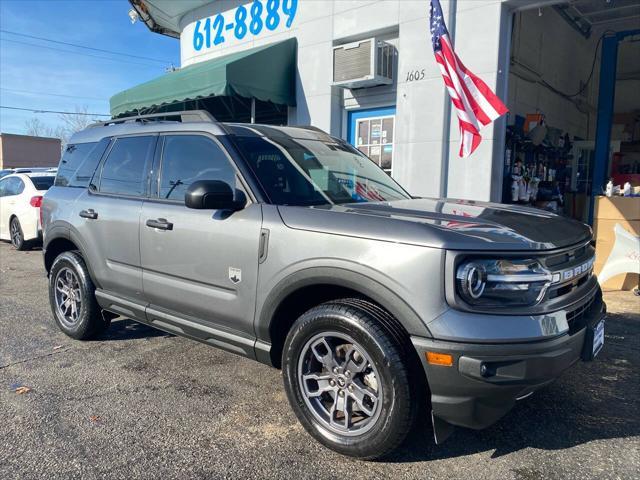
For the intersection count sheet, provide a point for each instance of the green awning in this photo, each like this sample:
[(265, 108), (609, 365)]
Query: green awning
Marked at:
[(266, 73)]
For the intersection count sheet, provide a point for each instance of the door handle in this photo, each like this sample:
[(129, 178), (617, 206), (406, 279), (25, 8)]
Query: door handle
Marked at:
[(160, 223), (89, 214)]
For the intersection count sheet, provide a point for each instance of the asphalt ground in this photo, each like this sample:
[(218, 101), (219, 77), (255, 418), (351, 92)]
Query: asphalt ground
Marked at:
[(138, 403)]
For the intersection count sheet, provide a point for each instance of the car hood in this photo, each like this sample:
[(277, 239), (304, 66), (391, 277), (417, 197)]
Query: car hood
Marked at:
[(450, 224)]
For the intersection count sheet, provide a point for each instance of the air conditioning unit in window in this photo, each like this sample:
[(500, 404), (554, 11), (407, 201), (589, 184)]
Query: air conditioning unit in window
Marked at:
[(365, 63)]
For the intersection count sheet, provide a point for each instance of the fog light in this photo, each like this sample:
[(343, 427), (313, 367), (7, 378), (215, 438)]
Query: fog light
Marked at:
[(443, 359)]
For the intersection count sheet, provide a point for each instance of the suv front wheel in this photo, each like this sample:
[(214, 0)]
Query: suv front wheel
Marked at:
[(72, 298), (346, 375)]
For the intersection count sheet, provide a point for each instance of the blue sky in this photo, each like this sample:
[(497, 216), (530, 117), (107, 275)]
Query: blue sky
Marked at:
[(32, 76)]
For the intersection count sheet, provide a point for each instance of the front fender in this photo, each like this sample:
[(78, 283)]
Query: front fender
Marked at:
[(341, 277)]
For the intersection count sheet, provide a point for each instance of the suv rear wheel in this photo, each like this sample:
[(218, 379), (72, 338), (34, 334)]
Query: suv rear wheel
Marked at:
[(347, 378), (72, 298)]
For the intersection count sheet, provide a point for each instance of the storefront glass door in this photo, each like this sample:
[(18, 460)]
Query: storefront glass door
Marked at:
[(372, 132)]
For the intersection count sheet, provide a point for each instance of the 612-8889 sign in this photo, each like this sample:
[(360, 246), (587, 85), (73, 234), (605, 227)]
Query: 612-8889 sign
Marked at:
[(251, 19)]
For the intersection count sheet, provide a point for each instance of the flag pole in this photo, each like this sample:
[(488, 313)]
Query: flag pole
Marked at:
[(446, 131)]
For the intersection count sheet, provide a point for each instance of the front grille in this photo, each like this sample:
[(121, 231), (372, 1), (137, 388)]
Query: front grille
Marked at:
[(557, 261), (568, 265), (565, 288), (577, 319)]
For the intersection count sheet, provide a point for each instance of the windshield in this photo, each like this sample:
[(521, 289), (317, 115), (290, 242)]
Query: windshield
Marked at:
[(43, 182), (296, 171)]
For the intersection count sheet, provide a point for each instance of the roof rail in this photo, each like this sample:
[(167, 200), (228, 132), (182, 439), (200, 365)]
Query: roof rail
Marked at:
[(186, 116)]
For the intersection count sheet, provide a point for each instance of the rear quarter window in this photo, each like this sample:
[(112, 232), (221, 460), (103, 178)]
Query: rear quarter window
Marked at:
[(79, 162)]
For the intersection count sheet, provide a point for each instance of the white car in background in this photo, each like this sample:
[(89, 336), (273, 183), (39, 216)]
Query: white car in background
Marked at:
[(20, 199)]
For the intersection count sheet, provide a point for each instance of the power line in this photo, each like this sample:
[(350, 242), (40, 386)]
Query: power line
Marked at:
[(50, 94), (56, 111), (83, 46), (584, 84), (82, 53)]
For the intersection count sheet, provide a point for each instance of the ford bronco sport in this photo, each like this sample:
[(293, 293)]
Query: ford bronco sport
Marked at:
[(290, 247)]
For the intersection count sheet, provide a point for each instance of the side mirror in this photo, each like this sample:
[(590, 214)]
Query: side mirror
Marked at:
[(213, 195)]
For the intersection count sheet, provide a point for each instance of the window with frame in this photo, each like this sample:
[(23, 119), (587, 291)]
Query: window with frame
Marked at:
[(19, 186), (11, 186), (189, 158), (79, 162), (4, 187), (374, 138), (125, 170), (44, 182)]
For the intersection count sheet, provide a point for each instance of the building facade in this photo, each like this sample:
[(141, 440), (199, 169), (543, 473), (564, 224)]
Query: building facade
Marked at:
[(27, 151), (531, 53)]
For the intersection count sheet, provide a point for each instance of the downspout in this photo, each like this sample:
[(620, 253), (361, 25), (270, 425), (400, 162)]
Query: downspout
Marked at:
[(446, 130)]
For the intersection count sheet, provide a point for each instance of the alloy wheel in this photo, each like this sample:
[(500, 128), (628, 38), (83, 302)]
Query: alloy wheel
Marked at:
[(16, 234), (68, 296), (340, 383)]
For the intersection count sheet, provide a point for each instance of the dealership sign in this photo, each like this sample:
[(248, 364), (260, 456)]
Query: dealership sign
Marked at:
[(242, 23)]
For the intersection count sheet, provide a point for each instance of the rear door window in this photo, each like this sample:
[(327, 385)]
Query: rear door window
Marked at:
[(12, 186), (125, 170), (4, 187), (19, 186)]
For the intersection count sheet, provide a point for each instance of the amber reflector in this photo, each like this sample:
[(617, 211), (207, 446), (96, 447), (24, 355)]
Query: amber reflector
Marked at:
[(443, 359)]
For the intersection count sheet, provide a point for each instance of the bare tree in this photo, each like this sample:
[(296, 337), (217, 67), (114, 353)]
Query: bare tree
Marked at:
[(37, 128), (74, 122), (70, 124)]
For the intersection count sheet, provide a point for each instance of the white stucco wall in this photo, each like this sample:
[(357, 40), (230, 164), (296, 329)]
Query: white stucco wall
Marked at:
[(321, 24)]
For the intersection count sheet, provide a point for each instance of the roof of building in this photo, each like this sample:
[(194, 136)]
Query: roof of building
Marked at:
[(163, 16), (29, 137)]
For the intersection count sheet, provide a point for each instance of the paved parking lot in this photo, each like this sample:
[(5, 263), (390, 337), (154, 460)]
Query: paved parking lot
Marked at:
[(142, 404)]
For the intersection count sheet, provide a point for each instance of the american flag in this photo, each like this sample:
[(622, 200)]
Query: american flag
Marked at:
[(368, 192), (475, 103)]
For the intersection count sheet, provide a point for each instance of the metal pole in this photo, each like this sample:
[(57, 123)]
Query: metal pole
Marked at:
[(446, 131), (606, 96)]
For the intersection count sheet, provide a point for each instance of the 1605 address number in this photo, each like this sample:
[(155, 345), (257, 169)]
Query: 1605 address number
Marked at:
[(415, 75), (259, 15)]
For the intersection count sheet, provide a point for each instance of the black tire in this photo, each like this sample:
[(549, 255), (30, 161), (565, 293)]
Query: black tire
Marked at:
[(89, 322), (374, 330), (17, 236)]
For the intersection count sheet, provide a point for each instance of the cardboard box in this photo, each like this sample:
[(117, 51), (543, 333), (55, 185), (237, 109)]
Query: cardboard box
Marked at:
[(624, 211), (617, 208)]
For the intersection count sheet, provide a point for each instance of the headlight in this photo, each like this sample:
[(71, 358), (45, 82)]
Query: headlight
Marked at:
[(502, 283)]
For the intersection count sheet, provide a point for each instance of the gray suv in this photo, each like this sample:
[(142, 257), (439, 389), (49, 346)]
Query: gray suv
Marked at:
[(290, 247)]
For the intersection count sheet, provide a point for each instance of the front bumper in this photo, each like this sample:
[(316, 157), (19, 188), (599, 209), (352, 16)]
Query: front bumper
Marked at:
[(485, 380)]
